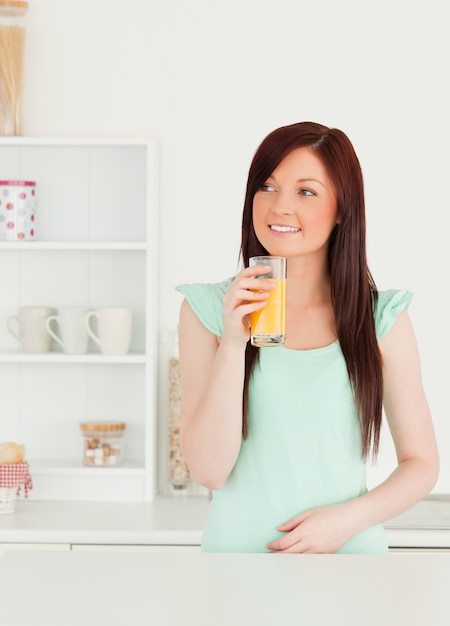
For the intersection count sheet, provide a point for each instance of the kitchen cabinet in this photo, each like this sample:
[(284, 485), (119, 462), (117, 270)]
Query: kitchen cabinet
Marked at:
[(96, 246)]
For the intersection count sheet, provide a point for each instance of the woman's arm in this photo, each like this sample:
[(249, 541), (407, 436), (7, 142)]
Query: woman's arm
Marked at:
[(212, 381), (212, 376), (326, 529), (411, 427)]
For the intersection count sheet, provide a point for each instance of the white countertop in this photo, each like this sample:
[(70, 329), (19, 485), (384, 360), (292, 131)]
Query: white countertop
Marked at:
[(112, 589), (176, 520), (179, 520)]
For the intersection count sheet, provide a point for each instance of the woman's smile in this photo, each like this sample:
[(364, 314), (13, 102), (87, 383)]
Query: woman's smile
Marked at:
[(284, 228)]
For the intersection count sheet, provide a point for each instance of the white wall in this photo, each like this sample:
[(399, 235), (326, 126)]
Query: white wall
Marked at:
[(211, 79)]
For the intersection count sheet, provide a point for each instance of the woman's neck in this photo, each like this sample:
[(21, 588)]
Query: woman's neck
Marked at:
[(308, 281)]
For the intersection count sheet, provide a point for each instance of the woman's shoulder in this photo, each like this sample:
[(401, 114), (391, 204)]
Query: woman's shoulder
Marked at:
[(388, 306), (204, 289), (206, 300)]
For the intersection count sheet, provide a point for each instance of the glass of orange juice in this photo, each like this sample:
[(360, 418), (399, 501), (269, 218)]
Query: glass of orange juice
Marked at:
[(268, 325)]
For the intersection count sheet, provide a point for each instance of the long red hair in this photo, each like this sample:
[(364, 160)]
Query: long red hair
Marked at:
[(353, 290)]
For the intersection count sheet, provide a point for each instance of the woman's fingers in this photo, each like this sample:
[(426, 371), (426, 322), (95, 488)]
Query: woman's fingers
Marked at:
[(291, 524), (285, 543), (246, 294), (256, 270)]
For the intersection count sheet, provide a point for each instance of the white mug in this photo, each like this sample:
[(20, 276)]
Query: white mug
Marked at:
[(32, 332), (73, 337), (114, 327)]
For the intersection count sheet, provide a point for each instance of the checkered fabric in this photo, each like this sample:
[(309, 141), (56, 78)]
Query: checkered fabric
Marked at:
[(16, 474)]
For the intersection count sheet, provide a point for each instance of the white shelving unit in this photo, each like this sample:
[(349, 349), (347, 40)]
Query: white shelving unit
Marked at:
[(96, 245)]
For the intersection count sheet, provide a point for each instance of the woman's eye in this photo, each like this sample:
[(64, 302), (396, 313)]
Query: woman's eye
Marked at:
[(306, 192), (267, 187)]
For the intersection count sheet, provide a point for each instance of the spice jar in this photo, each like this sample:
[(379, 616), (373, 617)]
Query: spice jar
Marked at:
[(12, 45), (17, 210), (179, 474), (102, 443)]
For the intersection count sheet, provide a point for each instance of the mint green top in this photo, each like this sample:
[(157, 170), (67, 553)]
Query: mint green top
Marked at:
[(304, 444)]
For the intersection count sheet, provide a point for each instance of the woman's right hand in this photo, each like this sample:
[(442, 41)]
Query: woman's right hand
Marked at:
[(244, 295)]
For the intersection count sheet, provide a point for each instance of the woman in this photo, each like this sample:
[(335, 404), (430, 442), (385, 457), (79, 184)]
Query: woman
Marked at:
[(282, 435)]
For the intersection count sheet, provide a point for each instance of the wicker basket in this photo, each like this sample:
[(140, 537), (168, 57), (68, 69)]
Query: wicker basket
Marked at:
[(7, 499)]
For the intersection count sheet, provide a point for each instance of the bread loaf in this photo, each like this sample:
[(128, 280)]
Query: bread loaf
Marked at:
[(11, 452)]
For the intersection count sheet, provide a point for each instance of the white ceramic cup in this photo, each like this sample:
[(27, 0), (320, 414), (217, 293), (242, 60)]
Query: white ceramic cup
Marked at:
[(114, 327), (30, 327), (72, 337)]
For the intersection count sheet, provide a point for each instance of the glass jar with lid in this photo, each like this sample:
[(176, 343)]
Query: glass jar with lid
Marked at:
[(102, 443), (12, 46)]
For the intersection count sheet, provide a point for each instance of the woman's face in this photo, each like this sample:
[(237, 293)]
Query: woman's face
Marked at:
[(295, 211)]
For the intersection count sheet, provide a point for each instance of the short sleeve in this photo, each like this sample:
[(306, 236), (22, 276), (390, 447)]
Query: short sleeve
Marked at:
[(206, 300), (389, 306)]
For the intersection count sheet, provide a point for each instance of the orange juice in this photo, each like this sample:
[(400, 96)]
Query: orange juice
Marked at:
[(268, 325)]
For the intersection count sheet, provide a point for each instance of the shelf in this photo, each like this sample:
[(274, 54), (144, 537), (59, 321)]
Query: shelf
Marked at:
[(97, 246), (28, 246), (75, 468), (60, 357)]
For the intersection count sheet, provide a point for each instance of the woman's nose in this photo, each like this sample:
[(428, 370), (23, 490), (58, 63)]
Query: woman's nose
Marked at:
[(282, 205)]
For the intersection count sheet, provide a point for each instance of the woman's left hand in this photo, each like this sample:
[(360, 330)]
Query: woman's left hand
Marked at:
[(318, 531)]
